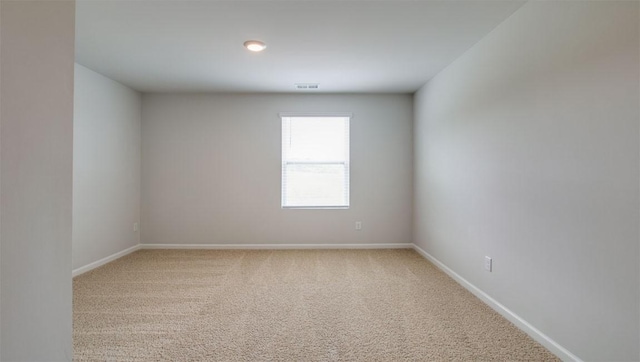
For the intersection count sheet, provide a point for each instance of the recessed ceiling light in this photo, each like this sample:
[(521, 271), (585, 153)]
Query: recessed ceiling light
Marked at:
[(255, 45)]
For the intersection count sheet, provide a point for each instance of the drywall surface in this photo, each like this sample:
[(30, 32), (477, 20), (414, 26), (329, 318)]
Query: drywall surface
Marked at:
[(526, 150), (211, 167), (106, 167), (36, 123)]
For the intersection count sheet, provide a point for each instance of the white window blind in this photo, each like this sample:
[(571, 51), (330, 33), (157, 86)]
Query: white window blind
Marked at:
[(315, 161)]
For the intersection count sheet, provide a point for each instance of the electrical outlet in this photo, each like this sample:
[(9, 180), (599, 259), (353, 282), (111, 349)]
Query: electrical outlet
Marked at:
[(135, 227), (488, 264), (358, 225)]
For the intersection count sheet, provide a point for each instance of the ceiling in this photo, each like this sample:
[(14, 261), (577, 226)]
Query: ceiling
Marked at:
[(360, 46)]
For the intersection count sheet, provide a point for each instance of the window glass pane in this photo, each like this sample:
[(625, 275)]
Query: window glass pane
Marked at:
[(317, 139), (315, 185)]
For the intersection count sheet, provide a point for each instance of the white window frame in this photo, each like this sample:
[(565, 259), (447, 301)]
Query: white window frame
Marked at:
[(284, 116)]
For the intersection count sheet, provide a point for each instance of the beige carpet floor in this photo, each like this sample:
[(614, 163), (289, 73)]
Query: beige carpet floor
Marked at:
[(286, 305)]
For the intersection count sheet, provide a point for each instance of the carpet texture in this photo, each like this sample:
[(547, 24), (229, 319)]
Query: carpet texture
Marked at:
[(286, 305)]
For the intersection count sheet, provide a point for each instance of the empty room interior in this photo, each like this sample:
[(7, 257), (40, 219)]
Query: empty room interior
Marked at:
[(319, 180)]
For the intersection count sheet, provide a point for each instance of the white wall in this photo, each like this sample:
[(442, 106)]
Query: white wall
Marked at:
[(106, 167), (36, 122), (211, 170), (526, 150)]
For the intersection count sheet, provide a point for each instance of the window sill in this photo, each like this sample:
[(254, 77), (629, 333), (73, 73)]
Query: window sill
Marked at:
[(315, 207)]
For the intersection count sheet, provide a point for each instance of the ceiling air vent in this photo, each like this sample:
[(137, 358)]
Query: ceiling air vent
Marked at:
[(306, 85)]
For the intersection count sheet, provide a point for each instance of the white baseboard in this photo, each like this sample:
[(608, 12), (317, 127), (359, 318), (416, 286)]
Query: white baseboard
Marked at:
[(525, 326), (103, 261), (277, 246)]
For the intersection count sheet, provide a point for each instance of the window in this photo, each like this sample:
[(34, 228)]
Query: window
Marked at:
[(315, 161)]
